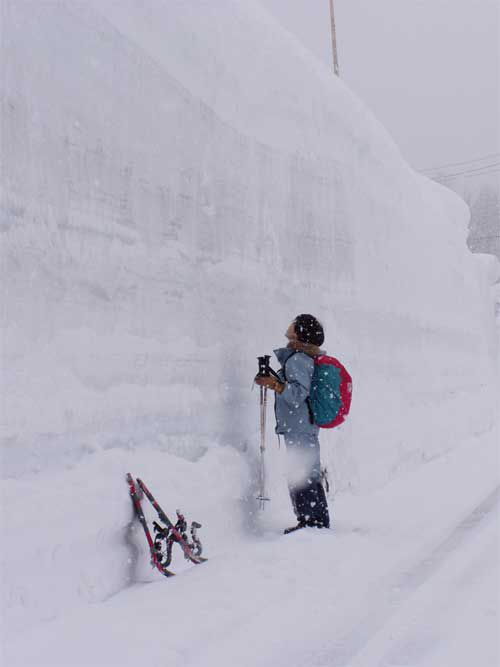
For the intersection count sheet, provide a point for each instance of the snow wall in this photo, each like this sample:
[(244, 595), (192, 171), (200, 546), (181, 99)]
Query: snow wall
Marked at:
[(179, 180)]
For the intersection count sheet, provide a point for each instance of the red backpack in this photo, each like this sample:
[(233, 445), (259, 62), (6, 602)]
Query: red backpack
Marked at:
[(331, 392)]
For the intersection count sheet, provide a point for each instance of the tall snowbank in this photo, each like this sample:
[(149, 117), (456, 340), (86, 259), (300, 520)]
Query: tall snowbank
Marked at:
[(179, 180)]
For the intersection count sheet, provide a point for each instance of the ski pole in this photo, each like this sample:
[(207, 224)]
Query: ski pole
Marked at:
[(263, 372)]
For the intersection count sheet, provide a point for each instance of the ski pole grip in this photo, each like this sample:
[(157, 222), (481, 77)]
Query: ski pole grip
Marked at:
[(264, 366)]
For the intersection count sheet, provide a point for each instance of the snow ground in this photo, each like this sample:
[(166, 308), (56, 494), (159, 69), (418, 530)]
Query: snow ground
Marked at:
[(409, 576)]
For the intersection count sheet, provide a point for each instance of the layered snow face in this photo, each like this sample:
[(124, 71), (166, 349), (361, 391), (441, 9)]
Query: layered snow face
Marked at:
[(180, 180)]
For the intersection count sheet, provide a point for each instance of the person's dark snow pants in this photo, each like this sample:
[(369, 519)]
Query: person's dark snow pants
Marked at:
[(304, 478)]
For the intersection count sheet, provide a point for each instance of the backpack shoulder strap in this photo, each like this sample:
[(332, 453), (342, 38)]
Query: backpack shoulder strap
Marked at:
[(308, 399), (284, 365)]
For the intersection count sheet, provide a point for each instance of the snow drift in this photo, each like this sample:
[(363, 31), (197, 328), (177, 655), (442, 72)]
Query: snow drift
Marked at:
[(179, 180)]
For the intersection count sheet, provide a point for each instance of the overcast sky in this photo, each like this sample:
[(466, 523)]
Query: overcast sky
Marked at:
[(428, 69)]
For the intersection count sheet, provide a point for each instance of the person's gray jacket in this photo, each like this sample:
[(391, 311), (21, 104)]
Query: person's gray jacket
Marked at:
[(291, 406)]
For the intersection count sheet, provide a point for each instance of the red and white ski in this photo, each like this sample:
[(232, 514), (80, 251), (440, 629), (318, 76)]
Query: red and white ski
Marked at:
[(155, 562)]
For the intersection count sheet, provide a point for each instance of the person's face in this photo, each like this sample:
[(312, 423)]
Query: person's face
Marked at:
[(290, 333)]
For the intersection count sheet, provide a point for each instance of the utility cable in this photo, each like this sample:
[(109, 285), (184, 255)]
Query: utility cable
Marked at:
[(459, 164)]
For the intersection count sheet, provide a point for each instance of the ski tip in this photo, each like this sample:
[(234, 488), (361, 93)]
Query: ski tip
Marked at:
[(167, 573), (197, 560)]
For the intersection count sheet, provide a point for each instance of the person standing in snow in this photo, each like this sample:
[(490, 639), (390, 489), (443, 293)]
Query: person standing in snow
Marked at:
[(294, 420)]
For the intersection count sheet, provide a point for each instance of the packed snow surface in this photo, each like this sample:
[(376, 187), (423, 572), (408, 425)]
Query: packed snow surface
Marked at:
[(179, 180), (408, 575)]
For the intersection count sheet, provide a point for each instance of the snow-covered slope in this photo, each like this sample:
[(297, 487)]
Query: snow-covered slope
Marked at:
[(408, 577), (179, 180)]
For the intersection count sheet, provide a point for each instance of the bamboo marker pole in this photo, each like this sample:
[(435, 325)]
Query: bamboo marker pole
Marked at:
[(334, 41)]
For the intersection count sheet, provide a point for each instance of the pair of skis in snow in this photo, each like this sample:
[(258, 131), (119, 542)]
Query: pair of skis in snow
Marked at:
[(167, 535)]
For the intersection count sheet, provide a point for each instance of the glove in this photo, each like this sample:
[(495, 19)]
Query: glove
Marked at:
[(269, 382)]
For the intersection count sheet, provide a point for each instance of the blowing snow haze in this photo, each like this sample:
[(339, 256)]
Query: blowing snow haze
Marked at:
[(430, 72), (179, 180), (429, 69)]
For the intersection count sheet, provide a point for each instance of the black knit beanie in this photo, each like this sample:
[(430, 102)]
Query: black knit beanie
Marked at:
[(309, 330)]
